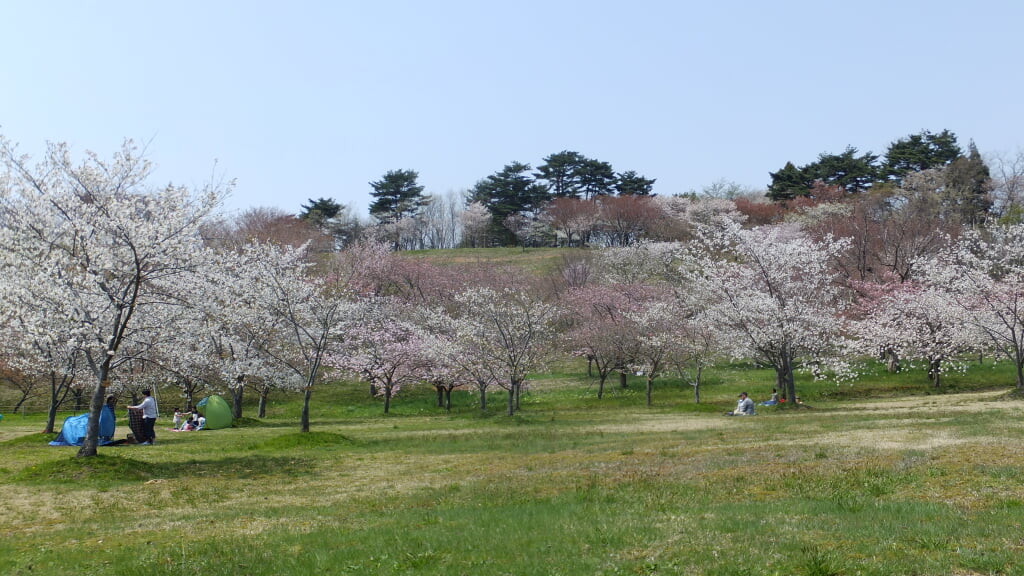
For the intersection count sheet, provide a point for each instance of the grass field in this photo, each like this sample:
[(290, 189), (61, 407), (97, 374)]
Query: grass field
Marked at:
[(882, 477)]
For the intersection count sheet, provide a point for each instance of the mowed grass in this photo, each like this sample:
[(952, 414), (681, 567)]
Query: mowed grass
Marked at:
[(906, 481)]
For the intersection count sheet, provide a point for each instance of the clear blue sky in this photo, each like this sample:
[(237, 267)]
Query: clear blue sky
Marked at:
[(310, 99)]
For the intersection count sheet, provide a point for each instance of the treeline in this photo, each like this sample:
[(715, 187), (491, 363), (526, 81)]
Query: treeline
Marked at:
[(573, 200)]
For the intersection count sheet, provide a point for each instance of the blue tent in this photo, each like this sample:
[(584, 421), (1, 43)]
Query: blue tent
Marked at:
[(72, 432)]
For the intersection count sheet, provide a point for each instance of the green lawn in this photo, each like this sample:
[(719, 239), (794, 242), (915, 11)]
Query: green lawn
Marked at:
[(880, 477)]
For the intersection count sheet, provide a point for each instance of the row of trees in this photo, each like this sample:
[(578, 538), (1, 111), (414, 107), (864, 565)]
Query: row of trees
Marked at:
[(965, 186), (107, 280), (114, 285), (574, 200), (514, 192)]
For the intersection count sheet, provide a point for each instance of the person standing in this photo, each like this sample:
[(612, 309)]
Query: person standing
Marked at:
[(148, 407)]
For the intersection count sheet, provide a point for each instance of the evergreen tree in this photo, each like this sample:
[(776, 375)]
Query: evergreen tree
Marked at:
[(571, 175), (788, 183), (968, 183), (919, 152), (596, 178), (398, 195), (333, 219), (321, 210), (562, 173), (847, 170), (630, 183), (510, 192)]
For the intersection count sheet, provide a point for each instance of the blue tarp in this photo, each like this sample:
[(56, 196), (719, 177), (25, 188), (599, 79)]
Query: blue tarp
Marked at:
[(72, 432)]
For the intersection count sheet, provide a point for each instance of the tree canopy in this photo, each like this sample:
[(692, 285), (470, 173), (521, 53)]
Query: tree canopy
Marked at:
[(398, 195)]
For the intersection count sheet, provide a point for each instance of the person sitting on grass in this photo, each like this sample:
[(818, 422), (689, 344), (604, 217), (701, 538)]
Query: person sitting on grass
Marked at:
[(773, 400), (190, 424), (744, 406)]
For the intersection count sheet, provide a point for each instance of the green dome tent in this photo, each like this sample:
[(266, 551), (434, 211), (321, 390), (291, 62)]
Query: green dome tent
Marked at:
[(216, 411)]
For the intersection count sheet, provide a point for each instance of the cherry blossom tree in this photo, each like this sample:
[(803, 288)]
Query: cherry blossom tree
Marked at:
[(309, 315), (573, 218), (683, 213), (455, 359), (94, 245), (698, 341), (914, 322), (51, 356), (600, 329), (383, 349), (475, 221), (638, 263), (229, 325), (654, 336), (982, 275), (771, 292), (510, 331)]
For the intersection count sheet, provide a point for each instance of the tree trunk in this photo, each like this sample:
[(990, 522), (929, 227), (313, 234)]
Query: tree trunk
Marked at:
[(784, 378), (236, 400), (511, 399), (51, 417), (483, 398), (92, 428), (261, 412), (892, 361), (650, 388), (590, 366), (696, 386), (448, 399), (600, 385), (440, 395), (935, 373), (622, 379), (387, 399), (79, 396), (304, 426), (51, 411)]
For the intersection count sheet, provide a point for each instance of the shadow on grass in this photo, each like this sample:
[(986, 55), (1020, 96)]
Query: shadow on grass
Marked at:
[(29, 440), (104, 470)]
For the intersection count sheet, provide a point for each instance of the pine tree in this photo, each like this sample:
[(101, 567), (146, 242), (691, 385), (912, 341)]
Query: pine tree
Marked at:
[(919, 152), (632, 184), (510, 192), (788, 183), (398, 195)]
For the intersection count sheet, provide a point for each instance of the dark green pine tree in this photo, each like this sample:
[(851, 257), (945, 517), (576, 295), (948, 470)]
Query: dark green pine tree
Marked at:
[(847, 170), (597, 178), (398, 195), (321, 210), (511, 191), (788, 183), (562, 173), (632, 184), (919, 152)]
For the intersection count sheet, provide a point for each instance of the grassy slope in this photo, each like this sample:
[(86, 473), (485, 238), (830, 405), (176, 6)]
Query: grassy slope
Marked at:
[(925, 484)]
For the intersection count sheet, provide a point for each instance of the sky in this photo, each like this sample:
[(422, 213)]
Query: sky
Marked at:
[(309, 99)]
